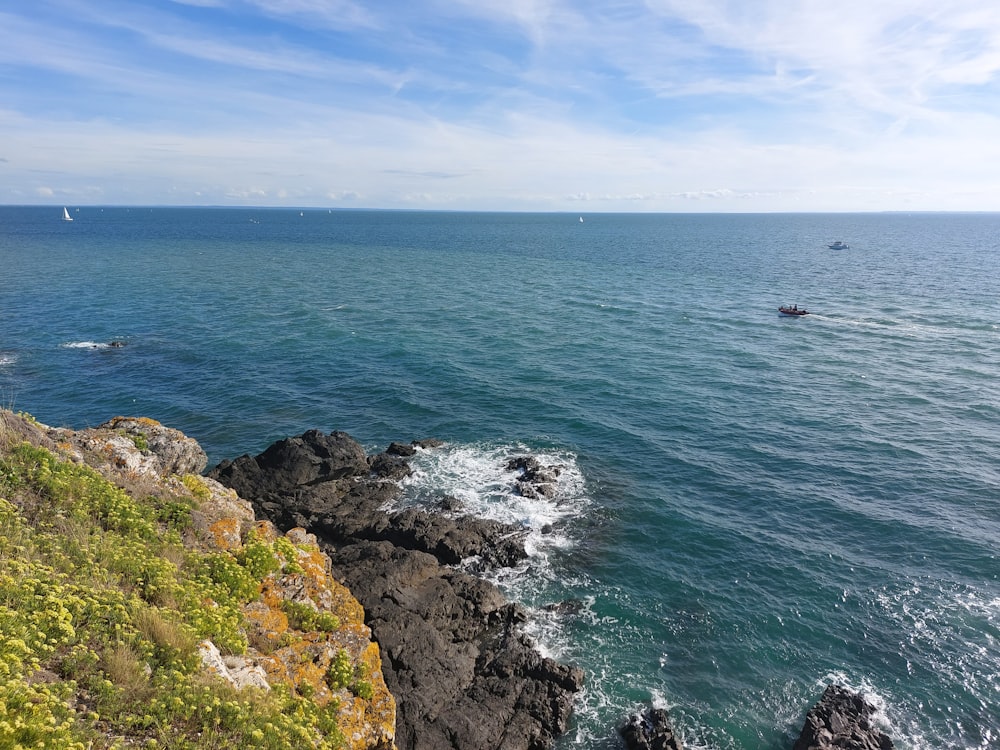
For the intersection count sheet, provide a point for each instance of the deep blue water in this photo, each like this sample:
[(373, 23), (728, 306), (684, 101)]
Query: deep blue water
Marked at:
[(751, 506)]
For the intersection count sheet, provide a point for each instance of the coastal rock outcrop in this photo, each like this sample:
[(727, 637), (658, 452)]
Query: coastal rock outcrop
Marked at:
[(454, 656), (841, 719), (650, 730), (133, 446), (295, 626)]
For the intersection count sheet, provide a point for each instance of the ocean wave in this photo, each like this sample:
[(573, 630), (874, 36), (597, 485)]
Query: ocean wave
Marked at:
[(91, 345), (478, 476), (952, 630)]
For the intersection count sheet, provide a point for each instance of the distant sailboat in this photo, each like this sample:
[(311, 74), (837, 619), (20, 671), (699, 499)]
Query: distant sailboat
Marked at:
[(581, 220), (66, 216)]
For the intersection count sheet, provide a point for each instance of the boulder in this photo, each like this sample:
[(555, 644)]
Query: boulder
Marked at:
[(841, 719), (133, 446)]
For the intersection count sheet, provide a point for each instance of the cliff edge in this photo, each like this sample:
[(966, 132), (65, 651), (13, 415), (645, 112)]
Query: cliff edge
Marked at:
[(144, 605)]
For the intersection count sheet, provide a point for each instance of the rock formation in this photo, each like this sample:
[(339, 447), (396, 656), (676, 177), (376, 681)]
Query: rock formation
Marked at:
[(463, 674), (303, 626), (841, 719), (650, 730)]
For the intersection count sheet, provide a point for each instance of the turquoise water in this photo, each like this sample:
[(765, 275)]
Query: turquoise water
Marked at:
[(751, 505)]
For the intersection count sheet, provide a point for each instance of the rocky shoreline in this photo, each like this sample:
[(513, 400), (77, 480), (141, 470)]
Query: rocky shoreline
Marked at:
[(463, 674), (456, 670), (454, 656)]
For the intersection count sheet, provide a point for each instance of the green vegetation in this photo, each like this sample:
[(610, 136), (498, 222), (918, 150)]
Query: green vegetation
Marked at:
[(102, 608), (342, 674), (302, 616)]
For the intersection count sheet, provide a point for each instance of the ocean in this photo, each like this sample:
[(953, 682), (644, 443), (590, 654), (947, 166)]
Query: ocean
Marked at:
[(749, 506)]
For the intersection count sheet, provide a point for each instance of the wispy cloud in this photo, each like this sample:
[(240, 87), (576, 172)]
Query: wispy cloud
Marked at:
[(624, 105)]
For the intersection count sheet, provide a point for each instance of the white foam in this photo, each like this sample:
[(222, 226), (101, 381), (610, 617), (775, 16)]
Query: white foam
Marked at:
[(85, 345), (478, 477)]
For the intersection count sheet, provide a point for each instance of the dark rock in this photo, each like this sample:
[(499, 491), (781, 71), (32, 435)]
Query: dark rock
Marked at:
[(453, 654), (536, 480), (650, 730), (428, 443), (567, 607), (841, 719), (294, 463), (451, 504), (398, 449), (389, 466)]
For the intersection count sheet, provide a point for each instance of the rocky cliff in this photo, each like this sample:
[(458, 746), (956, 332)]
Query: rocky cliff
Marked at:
[(463, 673), (143, 604)]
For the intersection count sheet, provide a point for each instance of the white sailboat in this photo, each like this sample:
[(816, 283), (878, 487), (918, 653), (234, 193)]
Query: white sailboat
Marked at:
[(66, 216)]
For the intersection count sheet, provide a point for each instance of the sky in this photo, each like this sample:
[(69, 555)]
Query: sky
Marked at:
[(503, 105)]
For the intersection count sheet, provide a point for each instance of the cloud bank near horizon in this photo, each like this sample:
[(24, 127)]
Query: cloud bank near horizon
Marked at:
[(663, 105)]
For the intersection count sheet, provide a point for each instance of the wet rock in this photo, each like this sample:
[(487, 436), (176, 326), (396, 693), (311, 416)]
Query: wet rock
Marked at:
[(454, 656), (568, 607), (536, 480), (650, 730), (451, 504), (399, 449), (841, 719)]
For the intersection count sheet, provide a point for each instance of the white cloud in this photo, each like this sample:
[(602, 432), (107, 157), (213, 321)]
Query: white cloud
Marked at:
[(671, 105)]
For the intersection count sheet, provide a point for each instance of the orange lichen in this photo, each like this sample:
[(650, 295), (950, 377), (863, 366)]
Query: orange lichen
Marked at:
[(225, 534), (265, 531)]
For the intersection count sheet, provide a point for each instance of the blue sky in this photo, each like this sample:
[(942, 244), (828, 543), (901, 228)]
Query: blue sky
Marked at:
[(541, 105)]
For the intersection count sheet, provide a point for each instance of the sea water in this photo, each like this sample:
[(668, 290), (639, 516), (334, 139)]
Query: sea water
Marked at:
[(749, 506)]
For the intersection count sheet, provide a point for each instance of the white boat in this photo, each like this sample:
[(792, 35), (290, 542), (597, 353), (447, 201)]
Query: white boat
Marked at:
[(838, 245), (66, 216)]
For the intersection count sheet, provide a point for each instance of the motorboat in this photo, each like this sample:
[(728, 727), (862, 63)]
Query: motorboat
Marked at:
[(792, 311), (838, 245)]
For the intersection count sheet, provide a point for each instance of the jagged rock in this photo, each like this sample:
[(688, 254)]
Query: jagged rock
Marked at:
[(463, 673), (336, 500), (398, 449), (536, 480), (298, 462), (568, 607), (841, 719), (133, 446), (389, 465), (451, 504), (236, 670), (428, 443), (650, 730)]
